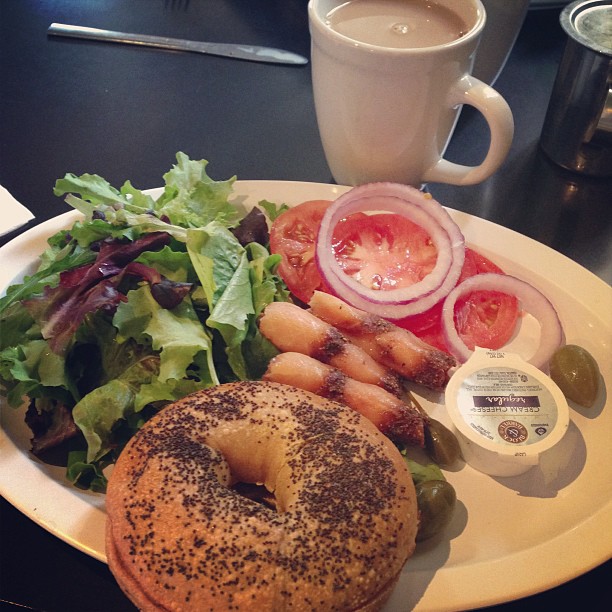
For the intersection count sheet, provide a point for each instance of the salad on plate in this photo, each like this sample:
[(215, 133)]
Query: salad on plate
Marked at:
[(139, 303)]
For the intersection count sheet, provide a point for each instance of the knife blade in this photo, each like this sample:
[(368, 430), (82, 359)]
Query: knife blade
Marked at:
[(251, 53)]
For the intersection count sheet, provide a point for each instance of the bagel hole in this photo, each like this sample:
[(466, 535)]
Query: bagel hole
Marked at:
[(256, 493)]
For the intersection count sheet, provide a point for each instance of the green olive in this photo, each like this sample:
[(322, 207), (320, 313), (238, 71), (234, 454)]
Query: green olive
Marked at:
[(576, 374), (441, 444), (436, 501)]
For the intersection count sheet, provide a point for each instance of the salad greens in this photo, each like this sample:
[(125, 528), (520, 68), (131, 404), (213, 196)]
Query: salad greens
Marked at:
[(140, 303)]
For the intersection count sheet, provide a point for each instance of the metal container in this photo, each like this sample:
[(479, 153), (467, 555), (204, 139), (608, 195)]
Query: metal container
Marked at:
[(577, 132)]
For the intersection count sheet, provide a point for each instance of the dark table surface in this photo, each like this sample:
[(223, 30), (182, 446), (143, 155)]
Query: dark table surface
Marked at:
[(123, 112)]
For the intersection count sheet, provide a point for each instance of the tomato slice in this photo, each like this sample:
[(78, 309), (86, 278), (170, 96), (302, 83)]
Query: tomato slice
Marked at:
[(383, 251), (483, 318), (292, 236), (427, 326), (387, 251)]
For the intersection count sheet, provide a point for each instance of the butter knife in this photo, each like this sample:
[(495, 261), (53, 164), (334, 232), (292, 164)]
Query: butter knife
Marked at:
[(237, 51)]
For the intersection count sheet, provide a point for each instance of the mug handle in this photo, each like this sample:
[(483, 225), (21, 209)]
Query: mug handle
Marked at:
[(472, 91)]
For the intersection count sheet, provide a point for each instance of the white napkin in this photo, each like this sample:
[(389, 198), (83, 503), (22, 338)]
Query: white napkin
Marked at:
[(12, 213)]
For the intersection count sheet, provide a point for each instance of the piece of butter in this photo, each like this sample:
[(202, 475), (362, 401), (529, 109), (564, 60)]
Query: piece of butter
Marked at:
[(505, 411)]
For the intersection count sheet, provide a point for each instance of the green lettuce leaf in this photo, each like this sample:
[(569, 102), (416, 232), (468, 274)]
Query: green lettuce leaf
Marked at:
[(17, 326), (85, 475), (32, 369), (98, 413), (174, 265), (177, 335), (192, 199), (91, 187), (223, 269), (272, 209)]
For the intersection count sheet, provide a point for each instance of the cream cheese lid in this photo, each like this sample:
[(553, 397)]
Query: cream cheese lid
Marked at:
[(506, 412)]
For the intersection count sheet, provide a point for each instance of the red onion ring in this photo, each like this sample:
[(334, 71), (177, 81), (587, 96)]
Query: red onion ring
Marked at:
[(532, 300), (418, 208)]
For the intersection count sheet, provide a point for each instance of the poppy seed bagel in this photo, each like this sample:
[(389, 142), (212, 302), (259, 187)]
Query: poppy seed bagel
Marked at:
[(180, 538)]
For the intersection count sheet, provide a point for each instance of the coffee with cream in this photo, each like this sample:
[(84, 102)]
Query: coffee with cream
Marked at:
[(387, 107), (397, 23)]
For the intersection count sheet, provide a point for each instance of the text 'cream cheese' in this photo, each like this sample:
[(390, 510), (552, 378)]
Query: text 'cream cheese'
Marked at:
[(506, 412)]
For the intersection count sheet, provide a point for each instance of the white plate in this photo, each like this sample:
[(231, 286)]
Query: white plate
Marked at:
[(509, 538)]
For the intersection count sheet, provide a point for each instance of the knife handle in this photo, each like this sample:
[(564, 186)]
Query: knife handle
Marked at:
[(62, 29), (246, 52)]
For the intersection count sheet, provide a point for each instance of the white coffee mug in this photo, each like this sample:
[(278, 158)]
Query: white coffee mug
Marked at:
[(387, 113)]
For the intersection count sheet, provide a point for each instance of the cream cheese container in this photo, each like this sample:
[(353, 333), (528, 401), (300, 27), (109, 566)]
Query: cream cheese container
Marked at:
[(505, 411)]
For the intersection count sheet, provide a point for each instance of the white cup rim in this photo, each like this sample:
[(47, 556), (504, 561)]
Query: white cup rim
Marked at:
[(474, 31)]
